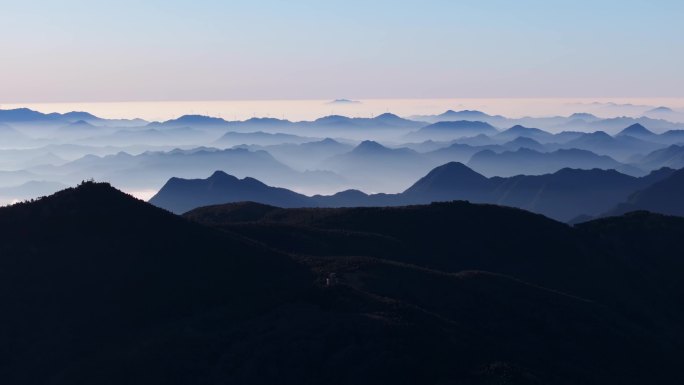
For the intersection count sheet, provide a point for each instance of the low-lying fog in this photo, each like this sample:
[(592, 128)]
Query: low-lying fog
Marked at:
[(323, 147)]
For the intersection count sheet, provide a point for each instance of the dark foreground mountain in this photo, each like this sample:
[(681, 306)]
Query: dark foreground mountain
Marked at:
[(410, 254), (563, 195), (99, 288), (90, 276)]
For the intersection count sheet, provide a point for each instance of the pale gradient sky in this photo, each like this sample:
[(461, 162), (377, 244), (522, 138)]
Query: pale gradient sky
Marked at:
[(126, 50)]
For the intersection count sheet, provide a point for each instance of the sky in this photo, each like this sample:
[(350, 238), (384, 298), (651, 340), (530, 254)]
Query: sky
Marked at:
[(160, 50)]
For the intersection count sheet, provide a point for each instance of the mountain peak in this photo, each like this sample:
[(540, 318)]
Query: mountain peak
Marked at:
[(80, 115), (333, 119), (467, 114), (636, 129), (453, 169), (448, 177), (660, 109), (180, 195), (369, 146), (599, 134), (328, 141), (387, 116), (196, 119), (88, 195), (80, 123), (583, 116), (218, 174)]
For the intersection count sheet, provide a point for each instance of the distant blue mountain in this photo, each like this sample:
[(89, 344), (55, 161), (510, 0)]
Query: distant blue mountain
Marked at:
[(524, 142), (663, 196), (385, 120), (344, 101), (453, 129), (622, 146), (191, 120), (459, 152), (638, 131), (584, 116), (562, 195), (230, 139), (530, 162), (27, 115), (221, 187), (672, 156), (527, 132)]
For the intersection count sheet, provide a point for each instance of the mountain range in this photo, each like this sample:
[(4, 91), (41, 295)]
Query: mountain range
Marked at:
[(98, 287), (564, 195), (663, 196), (151, 169)]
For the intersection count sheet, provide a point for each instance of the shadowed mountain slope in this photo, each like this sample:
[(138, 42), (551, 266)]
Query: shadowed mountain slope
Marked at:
[(89, 273), (586, 263), (98, 287), (664, 196), (511, 163)]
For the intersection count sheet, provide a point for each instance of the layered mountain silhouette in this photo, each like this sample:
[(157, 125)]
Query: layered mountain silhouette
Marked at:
[(526, 132), (563, 195), (230, 139), (460, 152), (453, 129), (672, 156), (181, 195), (524, 142), (98, 287), (621, 146), (372, 164), (663, 196), (303, 156), (153, 168), (509, 163), (637, 131), (192, 121), (25, 117), (31, 189), (11, 137)]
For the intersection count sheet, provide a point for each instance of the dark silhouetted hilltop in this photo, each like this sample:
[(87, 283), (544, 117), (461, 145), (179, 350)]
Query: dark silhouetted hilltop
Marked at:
[(91, 275)]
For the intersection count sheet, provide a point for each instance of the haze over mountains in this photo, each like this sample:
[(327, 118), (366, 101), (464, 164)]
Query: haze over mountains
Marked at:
[(341, 250), (341, 193), (564, 195), (386, 153)]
